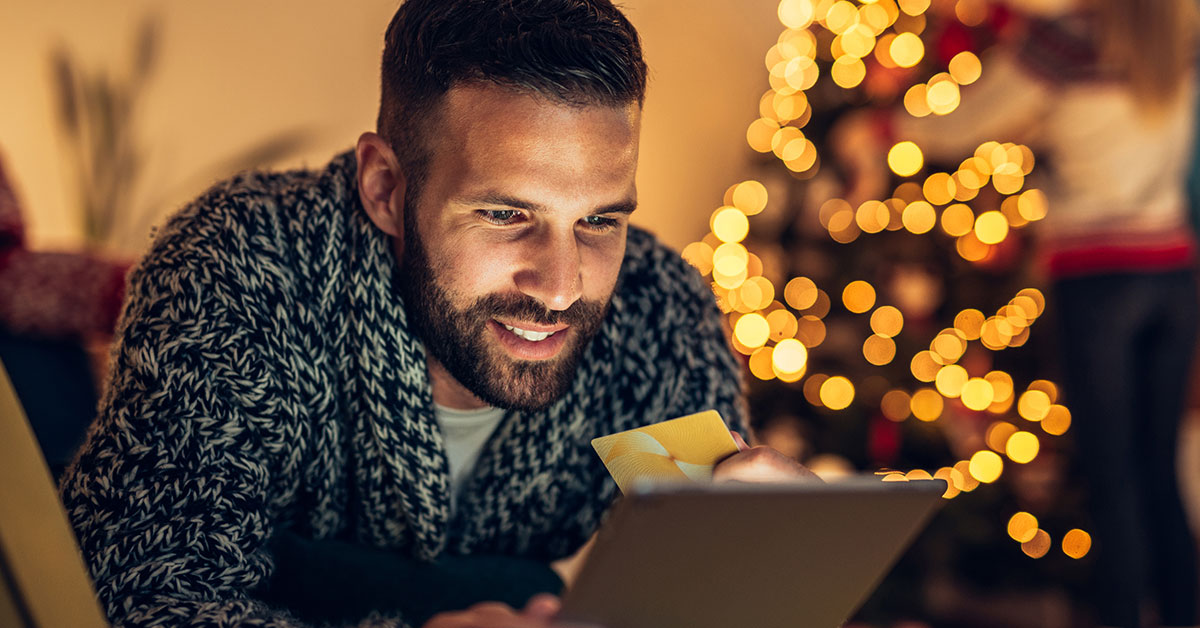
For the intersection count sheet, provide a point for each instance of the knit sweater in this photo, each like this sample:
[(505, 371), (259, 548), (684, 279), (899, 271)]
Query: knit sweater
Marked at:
[(264, 377)]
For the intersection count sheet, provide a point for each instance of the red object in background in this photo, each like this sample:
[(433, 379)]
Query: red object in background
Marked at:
[(63, 295), (883, 441)]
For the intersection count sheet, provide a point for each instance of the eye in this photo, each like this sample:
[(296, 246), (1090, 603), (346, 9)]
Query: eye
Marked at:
[(600, 223), (500, 216)]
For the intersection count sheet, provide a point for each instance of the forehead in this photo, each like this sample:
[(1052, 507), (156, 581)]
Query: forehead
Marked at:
[(488, 136)]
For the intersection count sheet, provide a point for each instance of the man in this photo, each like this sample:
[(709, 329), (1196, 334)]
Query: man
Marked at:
[(409, 350)]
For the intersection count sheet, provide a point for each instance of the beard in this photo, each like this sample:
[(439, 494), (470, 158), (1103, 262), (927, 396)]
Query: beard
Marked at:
[(459, 337)]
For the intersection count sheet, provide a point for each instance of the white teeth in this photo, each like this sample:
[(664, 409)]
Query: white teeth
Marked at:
[(532, 336)]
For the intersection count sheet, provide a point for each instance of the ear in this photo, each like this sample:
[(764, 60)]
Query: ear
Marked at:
[(381, 184)]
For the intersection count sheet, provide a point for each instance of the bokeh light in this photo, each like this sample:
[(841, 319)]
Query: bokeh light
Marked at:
[(1022, 527), (986, 466), (905, 159), (1038, 545), (837, 393), (1076, 543)]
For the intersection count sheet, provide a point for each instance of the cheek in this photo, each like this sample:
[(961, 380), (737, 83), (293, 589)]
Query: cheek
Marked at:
[(601, 267)]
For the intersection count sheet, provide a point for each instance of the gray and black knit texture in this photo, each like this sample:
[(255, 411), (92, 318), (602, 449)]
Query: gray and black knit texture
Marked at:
[(264, 378)]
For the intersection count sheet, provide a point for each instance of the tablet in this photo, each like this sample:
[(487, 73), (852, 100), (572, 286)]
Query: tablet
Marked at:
[(756, 555)]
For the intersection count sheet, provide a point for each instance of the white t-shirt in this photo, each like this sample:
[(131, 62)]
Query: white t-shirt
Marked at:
[(465, 432)]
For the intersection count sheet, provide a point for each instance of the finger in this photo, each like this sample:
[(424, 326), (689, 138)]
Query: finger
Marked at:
[(542, 606), (741, 442)]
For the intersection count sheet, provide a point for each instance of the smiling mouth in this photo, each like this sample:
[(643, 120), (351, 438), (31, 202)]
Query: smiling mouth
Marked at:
[(532, 336)]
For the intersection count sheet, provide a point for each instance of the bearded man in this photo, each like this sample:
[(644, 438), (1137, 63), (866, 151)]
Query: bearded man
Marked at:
[(385, 375)]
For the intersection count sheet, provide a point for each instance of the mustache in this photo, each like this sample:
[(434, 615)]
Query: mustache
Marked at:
[(580, 313)]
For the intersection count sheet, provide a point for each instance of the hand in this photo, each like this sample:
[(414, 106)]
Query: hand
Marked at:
[(567, 568), (760, 464), (538, 613)]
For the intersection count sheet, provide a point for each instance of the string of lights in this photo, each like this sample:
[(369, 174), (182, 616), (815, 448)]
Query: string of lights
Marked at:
[(776, 330)]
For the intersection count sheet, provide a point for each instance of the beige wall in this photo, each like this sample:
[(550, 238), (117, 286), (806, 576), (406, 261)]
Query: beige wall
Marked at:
[(234, 71)]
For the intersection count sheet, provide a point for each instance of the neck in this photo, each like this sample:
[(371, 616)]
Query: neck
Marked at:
[(447, 391)]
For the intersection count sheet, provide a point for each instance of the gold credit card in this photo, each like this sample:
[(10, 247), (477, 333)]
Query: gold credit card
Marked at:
[(677, 450)]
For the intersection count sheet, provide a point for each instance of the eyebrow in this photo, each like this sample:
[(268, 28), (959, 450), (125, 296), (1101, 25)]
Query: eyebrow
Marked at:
[(491, 198)]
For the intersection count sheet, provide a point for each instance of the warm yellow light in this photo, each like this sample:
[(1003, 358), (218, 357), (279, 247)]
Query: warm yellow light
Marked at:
[(700, 256), (759, 135), (760, 363), (887, 321), (858, 297), (919, 217), (875, 16), (1002, 384), (1038, 546), (730, 259), (832, 208), (986, 466), (994, 335), (837, 393), (784, 138), (971, 12), (1006, 183), (913, 7), (812, 388), (905, 159), (907, 49), (796, 13), (939, 188), (924, 367), (858, 40), (758, 293), (783, 324), (949, 346), (1038, 298), (971, 249), (800, 73), (969, 483), (729, 224), (965, 68), (895, 405), (968, 323), (958, 220), (1022, 447), (950, 380), (916, 102), (800, 293), (879, 350), (752, 330), (872, 216), (977, 394), (810, 331), (943, 96), (804, 155), (883, 51), (998, 433), (790, 356), (991, 227), (1045, 386), (848, 71), (841, 16), (788, 106), (1057, 421), (1076, 543), (1022, 527), (750, 197), (1033, 405), (927, 404)]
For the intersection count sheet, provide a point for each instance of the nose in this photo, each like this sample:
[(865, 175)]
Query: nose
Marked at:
[(552, 270)]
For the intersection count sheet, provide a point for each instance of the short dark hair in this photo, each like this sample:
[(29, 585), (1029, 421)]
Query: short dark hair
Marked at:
[(579, 52)]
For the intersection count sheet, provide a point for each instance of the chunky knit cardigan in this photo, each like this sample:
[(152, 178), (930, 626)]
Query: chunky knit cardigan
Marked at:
[(265, 378)]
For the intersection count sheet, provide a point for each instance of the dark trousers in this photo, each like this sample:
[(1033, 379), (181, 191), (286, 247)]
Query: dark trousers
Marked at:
[(339, 582), (1128, 346)]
